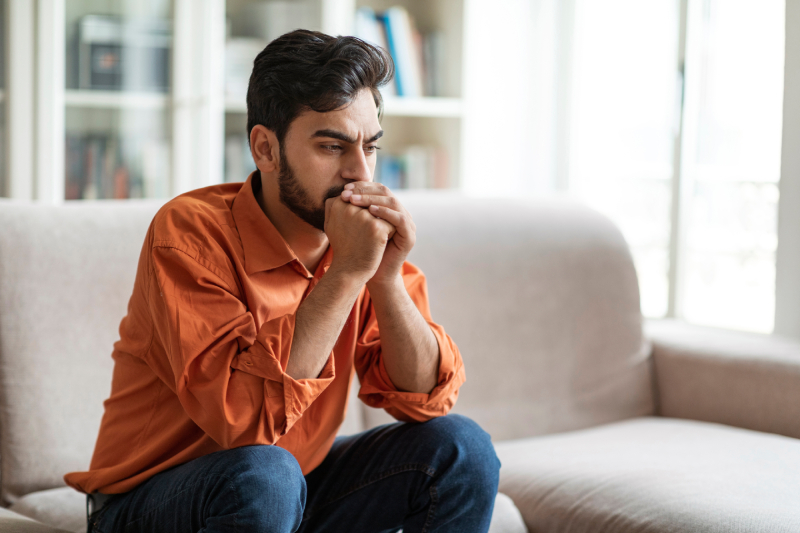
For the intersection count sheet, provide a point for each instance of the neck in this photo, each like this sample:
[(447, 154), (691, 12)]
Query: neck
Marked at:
[(308, 243)]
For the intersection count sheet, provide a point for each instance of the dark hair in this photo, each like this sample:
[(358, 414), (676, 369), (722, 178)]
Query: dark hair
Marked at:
[(306, 69)]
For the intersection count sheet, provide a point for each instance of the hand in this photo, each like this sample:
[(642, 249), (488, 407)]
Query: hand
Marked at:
[(358, 238), (378, 200)]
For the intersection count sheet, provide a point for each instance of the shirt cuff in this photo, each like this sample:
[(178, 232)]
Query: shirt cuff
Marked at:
[(418, 406), (268, 357)]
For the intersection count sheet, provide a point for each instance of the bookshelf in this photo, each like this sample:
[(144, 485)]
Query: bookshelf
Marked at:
[(157, 128)]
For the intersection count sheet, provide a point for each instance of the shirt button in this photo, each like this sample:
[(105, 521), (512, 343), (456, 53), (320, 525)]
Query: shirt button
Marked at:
[(248, 363), (391, 396)]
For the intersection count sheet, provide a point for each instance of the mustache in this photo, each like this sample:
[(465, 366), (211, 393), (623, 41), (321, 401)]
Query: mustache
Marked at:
[(333, 192)]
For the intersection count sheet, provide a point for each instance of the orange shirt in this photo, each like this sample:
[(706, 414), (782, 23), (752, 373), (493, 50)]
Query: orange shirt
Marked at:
[(199, 366)]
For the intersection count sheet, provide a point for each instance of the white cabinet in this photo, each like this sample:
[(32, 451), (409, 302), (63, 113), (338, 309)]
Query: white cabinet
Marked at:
[(129, 98)]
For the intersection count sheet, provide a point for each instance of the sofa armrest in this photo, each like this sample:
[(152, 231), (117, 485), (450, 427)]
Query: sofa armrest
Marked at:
[(747, 380)]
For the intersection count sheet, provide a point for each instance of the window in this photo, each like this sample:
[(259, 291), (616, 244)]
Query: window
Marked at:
[(697, 199), (731, 163)]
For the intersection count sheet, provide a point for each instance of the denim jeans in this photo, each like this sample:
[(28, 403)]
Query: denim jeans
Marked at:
[(436, 476)]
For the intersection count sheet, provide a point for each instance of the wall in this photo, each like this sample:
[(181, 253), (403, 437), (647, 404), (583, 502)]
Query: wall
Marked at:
[(787, 282)]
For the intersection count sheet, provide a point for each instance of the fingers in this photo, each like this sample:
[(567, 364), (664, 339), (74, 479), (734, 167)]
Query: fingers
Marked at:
[(366, 200), (400, 220), (365, 188)]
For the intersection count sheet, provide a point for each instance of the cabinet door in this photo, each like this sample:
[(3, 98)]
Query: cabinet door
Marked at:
[(117, 99), (250, 25)]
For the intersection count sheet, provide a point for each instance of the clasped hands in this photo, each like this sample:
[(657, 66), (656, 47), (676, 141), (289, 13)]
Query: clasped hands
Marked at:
[(370, 231)]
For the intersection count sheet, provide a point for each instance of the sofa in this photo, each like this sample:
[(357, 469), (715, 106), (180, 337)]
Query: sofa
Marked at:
[(603, 422)]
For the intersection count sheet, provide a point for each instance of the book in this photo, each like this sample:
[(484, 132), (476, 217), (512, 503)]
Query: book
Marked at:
[(400, 33), (415, 167), (419, 59), (370, 28)]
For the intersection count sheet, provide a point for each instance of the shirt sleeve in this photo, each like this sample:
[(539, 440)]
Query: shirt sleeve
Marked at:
[(229, 372), (377, 389)]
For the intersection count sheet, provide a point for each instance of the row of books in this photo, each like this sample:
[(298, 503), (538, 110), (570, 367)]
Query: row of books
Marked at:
[(416, 167), (111, 166), (418, 59)]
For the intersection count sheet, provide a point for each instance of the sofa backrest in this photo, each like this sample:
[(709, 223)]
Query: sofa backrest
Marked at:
[(66, 274), (541, 298)]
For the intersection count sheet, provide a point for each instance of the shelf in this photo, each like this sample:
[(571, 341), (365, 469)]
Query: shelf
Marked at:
[(115, 99), (422, 107), (393, 106)]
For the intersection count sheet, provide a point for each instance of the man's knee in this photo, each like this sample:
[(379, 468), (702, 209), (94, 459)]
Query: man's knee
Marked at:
[(469, 446), (267, 487)]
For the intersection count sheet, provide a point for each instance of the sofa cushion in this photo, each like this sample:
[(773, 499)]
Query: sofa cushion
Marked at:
[(506, 518), (66, 509), (542, 299), (655, 475), (11, 522)]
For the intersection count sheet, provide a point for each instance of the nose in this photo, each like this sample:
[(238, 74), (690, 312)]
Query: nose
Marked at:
[(356, 167)]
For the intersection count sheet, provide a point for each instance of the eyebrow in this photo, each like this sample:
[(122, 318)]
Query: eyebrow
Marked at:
[(343, 137)]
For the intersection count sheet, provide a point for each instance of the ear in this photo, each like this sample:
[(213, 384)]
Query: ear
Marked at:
[(265, 149)]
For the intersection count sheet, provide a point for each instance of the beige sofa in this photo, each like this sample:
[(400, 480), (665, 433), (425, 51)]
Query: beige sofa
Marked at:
[(602, 425)]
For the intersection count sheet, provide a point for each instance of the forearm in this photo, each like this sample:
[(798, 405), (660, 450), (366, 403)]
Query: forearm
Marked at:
[(319, 321), (410, 350)]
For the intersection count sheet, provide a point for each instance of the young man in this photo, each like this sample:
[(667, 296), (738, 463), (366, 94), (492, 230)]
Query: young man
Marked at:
[(253, 304)]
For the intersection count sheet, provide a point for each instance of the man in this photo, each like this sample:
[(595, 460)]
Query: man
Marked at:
[(253, 304)]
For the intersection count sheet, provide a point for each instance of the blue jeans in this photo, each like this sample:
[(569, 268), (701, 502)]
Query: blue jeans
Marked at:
[(436, 476)]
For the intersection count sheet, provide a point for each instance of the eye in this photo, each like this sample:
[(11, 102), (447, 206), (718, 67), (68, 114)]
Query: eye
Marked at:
[(333, 148), (371, 149)]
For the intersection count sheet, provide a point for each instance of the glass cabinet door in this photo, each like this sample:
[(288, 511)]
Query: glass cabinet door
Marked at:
[(250, 25), (117, 99)]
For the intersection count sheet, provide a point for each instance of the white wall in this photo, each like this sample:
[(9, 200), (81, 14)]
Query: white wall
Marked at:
[(516, 59), (787, 283)]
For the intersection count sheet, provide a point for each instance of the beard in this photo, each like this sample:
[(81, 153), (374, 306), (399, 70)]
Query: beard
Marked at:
[(294, 196)]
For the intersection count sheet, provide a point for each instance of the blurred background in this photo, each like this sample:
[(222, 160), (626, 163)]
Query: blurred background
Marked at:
[(667, 115)]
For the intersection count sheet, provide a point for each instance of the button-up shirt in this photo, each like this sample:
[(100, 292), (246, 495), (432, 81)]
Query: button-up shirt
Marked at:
[(200, 365)]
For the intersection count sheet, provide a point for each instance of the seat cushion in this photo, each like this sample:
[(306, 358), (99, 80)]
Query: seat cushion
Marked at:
[(506, 518), (66, 509), (655, 475), (11, 522)]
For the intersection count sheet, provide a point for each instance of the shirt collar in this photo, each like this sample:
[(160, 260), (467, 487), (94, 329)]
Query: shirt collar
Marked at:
[(264, 247)]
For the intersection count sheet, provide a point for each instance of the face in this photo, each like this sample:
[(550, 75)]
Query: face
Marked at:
[(322, 152)]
